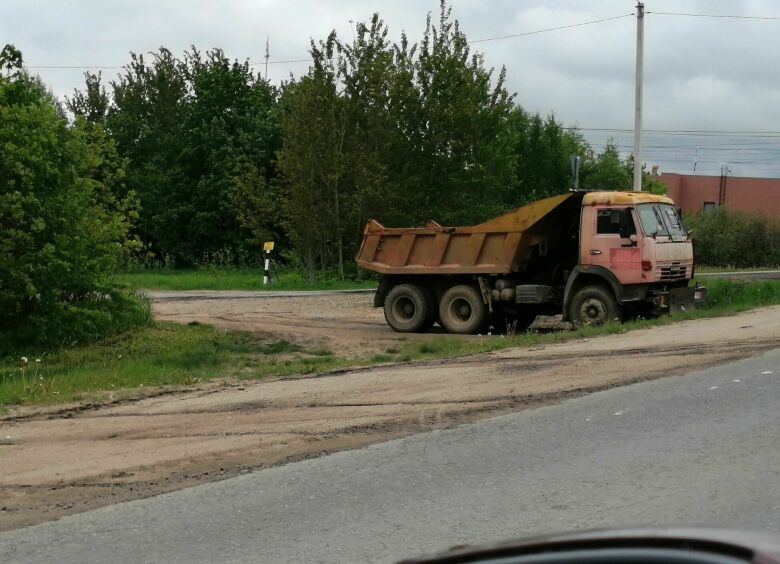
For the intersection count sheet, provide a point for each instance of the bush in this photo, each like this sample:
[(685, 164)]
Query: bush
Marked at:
[(62, 323), (726, 237), (62, 226), (738, 295)]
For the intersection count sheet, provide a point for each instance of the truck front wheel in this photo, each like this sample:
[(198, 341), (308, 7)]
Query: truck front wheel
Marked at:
[(594, 305), (409, 308), (462, 311)]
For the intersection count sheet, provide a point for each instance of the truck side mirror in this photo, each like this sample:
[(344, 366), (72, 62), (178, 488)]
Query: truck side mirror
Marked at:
[(626, 223)]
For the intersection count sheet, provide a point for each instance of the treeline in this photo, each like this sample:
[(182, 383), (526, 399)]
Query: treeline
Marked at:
[(220, 160)]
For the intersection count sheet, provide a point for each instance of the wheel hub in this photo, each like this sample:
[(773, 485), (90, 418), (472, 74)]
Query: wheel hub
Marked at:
[(404, 309), (461, 310), (593, 311)]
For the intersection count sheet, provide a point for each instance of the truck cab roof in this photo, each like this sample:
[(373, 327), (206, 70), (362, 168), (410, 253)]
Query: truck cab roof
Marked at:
[(611, 198)]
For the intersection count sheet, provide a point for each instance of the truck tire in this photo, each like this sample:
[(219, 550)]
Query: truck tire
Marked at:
[(462, 310), (409, 308), (594, 305)]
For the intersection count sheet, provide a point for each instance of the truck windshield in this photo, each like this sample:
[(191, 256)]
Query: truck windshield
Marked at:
[(660, 219)]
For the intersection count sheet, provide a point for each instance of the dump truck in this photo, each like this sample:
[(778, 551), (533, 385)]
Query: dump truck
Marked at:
[(590, 256)]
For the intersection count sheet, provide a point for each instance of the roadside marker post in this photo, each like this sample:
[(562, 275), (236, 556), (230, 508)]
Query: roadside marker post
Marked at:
[(268, 246)]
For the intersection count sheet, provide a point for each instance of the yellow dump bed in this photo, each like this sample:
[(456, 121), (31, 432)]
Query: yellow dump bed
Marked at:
[(498, 246)]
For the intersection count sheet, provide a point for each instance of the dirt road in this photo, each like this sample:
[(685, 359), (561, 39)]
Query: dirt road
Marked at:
[(345, 323), (56, 463)]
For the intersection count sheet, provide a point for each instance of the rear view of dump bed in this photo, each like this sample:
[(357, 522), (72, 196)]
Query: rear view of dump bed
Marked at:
[(498, 246)]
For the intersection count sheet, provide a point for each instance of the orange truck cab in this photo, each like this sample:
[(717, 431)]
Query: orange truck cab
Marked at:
[(590, 256)]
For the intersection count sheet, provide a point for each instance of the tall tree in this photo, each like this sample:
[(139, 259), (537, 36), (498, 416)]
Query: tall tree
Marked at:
[(367, 71), (149, 104), (229, 139), (465, 156), (61, 227), (200, 134), (312, 157)]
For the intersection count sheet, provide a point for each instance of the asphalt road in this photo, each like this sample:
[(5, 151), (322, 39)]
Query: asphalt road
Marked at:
[(700, 449), (741, 275)]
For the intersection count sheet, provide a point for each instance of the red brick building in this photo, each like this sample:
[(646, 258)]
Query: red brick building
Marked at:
[(694, 193)]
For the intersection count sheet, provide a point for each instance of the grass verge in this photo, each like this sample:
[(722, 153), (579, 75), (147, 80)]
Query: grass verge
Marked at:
[(169, 354), (162, 354), (725, 297), (231, 279)]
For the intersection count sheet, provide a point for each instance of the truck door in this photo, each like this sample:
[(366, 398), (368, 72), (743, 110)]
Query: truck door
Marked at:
[(612, 247)]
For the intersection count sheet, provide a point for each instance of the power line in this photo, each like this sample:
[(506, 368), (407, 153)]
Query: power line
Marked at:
[(677, 148), (254, 64), (763, 163), (627, 130), (74, 67), (675, 156), (550, 29), (484, 40), (685, 132), (290, 61), (768, 148), (103, 67), (729, 16)]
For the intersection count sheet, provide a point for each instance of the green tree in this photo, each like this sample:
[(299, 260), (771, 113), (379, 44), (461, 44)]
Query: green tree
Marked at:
[(606, 171), (732, 238), (464, 155), (310, 156), (61, 228), (230, 134), (145, 121), (91, 104), (369, 70), (542, 149), (200, 134), (11, 61), (650, 182)]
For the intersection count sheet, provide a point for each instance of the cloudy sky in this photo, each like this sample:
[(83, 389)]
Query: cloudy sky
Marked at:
[(713, 74)]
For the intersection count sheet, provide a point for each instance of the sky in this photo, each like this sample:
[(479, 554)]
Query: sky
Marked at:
[(701, 74)]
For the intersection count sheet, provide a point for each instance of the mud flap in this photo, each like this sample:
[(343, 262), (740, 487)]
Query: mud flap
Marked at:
[(386, 284), (683, 299)]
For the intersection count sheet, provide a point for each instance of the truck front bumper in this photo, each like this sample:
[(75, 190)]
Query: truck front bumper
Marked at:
[(680, 299)]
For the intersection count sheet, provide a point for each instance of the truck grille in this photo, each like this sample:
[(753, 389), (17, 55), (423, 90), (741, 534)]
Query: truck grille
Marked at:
[(670, 272)]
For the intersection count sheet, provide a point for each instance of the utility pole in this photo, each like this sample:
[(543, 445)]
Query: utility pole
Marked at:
[(267, 55), (640, 40), (724, 173), (575, 161)]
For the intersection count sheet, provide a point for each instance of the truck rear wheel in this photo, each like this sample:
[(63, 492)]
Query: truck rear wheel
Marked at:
[(409, 308), (594, 305), (462, 311)]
